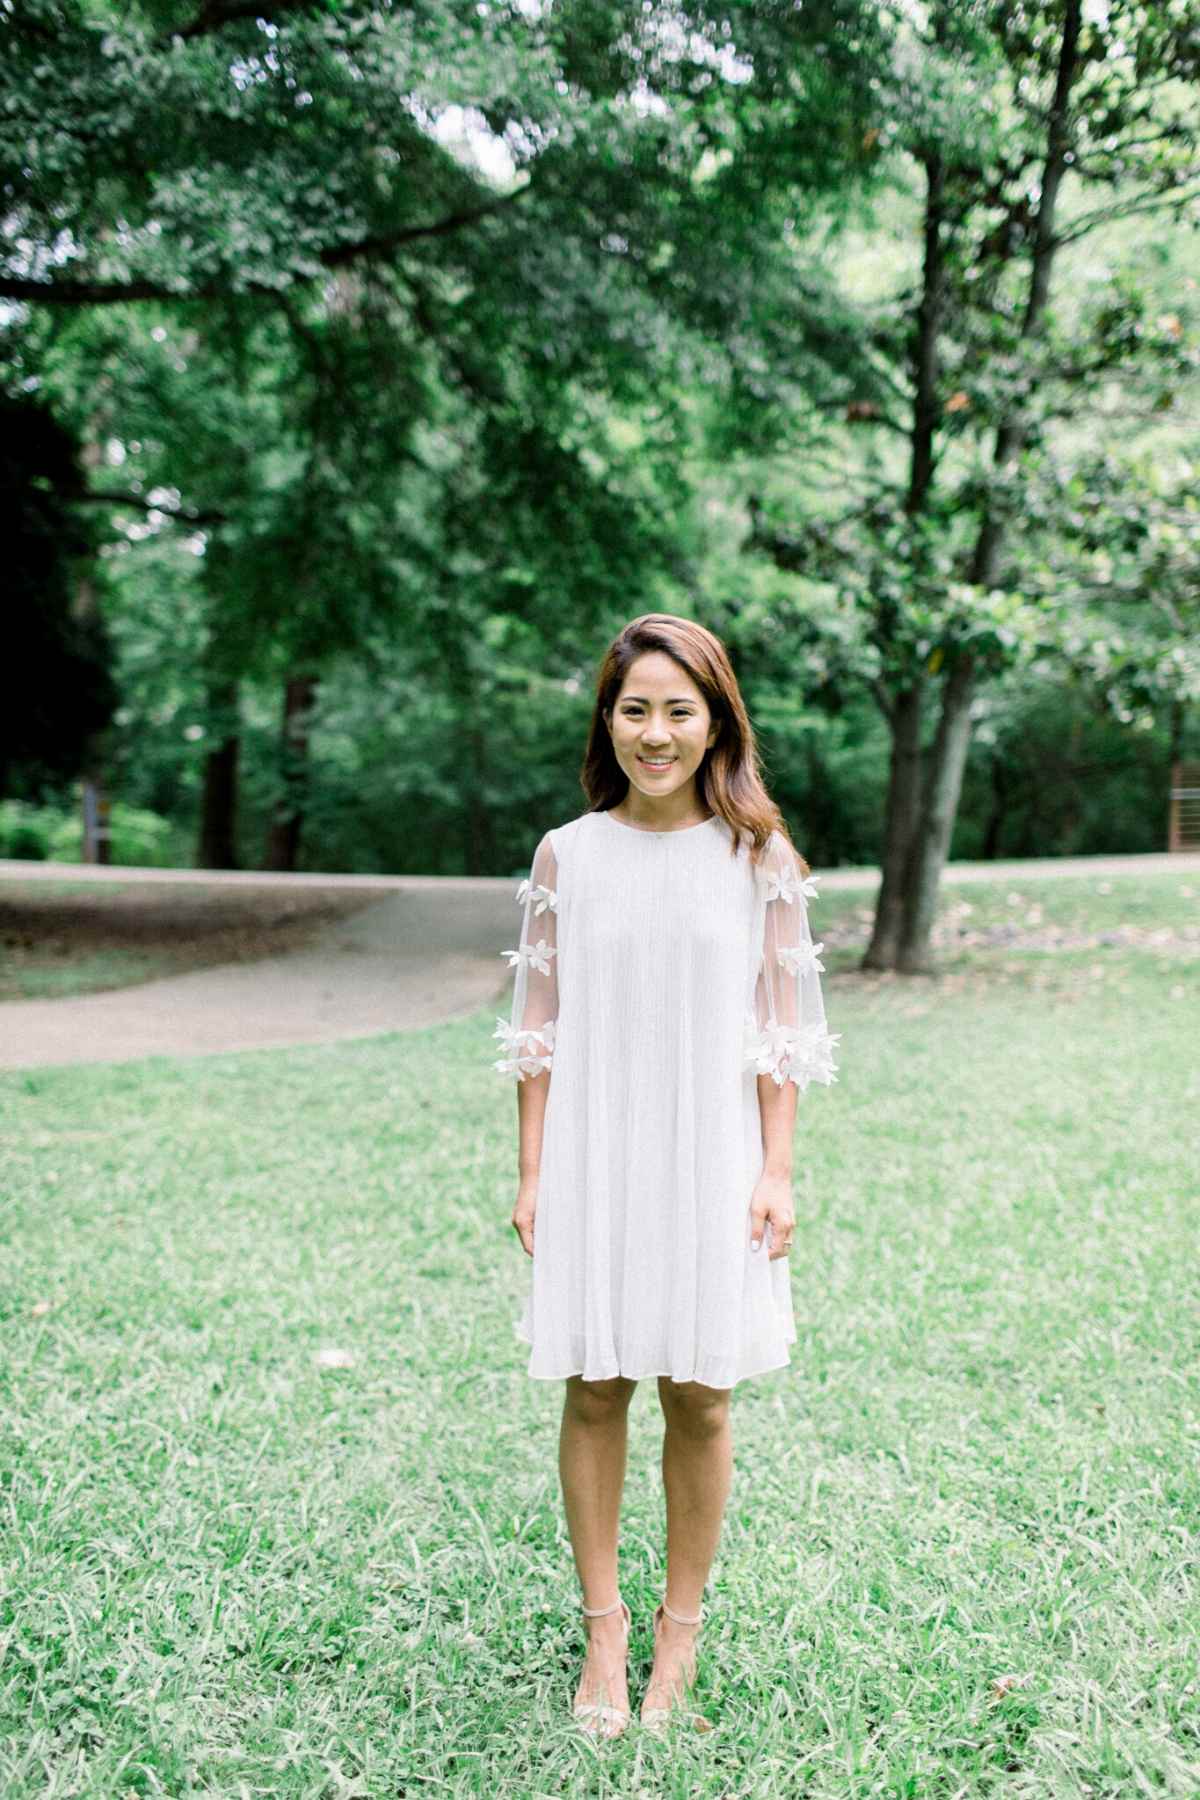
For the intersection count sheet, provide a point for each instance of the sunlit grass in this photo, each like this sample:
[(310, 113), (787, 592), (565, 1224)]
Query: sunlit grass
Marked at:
[(1157, 913), (960, 1557), (1076, 903)]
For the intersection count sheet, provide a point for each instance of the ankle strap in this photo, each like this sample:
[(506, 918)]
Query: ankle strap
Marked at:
[(599, 1612), (682, 1618)]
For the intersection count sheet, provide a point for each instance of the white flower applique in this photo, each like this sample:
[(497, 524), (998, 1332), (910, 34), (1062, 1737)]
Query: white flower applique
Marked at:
[(542, 897), (792, 1053), (801, 959), (522, 1046), (784, 884), (536, 955)]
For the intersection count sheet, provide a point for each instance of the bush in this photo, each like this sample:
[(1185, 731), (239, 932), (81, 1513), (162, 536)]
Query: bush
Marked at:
[(24, 831), (55, 834), (145, 838)]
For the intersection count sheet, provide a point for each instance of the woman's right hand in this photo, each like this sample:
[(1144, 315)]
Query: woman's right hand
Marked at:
[(524, 1211)]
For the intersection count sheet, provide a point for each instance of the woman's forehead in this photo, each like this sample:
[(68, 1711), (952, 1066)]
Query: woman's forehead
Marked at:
[(656, 676)]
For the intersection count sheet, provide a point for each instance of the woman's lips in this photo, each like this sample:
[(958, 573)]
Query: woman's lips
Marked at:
[(654, 767)]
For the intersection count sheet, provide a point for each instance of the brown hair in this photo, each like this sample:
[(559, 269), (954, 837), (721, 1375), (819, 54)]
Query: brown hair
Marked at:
[(729, 780)]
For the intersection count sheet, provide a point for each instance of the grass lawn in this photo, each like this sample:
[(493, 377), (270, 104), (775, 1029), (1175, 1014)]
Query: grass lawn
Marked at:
[(962, 1552)]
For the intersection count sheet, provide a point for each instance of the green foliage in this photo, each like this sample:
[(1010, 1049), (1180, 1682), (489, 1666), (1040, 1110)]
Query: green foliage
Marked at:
[(1053, 772), (418, 348), (23, 831), (139, 837), (947, 547)]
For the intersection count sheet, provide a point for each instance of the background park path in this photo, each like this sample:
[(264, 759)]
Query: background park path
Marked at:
[(427, 951)]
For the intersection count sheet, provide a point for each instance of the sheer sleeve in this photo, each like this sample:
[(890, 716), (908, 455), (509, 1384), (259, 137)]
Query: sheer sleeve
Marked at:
[(787, 1036), (528, 1034)]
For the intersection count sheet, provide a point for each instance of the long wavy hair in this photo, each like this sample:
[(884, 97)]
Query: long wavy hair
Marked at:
[(729, 780)]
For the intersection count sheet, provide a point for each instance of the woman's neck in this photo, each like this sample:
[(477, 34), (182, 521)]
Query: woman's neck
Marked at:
[(672, 814)]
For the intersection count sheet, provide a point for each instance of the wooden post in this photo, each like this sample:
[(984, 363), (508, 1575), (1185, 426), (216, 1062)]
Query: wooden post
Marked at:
[(1183, 832), (97, 827)]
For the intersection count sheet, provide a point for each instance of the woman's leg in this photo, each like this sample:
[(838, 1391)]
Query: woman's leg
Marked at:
[(697, 1466), (591, 1465)]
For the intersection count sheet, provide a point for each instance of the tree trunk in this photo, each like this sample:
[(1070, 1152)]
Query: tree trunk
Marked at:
[(480, 837), (283, 837), (97, 801), (943, 781), (902, 813), (926, 362), (1010, 435), (905, 775), (217, 842), (998, 811), (96, 798), (943, 785)]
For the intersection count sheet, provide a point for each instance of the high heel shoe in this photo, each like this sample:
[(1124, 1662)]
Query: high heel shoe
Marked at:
[(598, 1718), (656, 1718)]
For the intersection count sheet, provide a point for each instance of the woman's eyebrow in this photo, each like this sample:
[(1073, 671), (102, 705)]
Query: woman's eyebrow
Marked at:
[(680, 700)]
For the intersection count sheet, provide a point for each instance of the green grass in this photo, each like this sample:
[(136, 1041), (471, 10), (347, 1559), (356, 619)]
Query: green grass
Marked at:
[(1076, 903), (90, 972), (1159, 913), (228, 1570)]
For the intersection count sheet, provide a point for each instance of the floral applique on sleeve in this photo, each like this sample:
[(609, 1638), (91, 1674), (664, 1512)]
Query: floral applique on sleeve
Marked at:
[(787, 1036), (528, 1033)]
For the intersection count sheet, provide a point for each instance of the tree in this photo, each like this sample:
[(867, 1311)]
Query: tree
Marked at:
[(56, 691), (280, 190), (1029, 129)]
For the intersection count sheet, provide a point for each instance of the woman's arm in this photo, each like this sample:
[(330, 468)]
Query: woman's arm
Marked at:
[(777, 1109), (789, 1044), (772, 1198), (532, 1094), (528, 1034)]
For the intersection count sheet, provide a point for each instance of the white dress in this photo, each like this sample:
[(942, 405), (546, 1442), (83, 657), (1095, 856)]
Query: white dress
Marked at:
[(657, 975)]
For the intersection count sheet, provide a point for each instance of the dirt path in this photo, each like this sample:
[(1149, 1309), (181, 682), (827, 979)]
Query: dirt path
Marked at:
[(62, 939), (428, 951), (1033, 868), (412, 959)]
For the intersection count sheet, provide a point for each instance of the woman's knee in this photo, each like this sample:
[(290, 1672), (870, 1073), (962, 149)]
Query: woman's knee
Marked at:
[(690, 1406), (595, 1401)]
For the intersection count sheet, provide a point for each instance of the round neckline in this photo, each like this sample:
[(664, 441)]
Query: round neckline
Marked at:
[(649, 830)]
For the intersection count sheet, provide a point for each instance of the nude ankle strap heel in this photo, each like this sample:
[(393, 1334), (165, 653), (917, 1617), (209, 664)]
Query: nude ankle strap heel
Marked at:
[(656, 1718), (602, 1612), (597, 1718), (683, 1618)]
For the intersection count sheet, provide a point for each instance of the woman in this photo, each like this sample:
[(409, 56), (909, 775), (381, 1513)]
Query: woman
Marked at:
[(666, 1011)]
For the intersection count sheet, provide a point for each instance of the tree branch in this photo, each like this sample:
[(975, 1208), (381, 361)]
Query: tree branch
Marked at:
[(882, 699), (338, 254), (1010, 434), (1125, 209), (334, 256), (178, 516), (929, 324)]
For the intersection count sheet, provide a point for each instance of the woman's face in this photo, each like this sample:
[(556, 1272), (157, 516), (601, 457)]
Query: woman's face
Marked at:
[(660, 725)]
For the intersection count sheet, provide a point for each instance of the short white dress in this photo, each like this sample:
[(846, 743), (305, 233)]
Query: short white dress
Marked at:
[(658, 974)]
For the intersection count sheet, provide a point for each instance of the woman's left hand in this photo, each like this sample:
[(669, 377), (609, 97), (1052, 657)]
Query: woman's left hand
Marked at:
[(771, 1203)]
